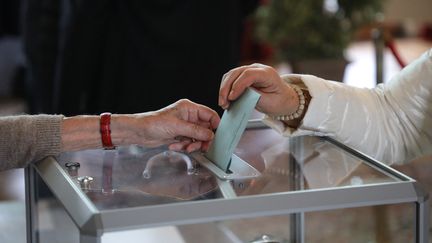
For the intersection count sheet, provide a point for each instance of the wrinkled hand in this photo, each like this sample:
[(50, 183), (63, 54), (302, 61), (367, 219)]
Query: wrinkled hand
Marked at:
[(277, 97), (183, 125)]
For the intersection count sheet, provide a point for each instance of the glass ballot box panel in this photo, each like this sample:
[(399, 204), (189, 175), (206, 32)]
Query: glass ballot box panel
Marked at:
[(385, 223), (274, 186), (136, 176)]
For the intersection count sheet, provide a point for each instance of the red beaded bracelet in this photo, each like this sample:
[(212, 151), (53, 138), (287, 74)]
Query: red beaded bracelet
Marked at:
[(105, 130)]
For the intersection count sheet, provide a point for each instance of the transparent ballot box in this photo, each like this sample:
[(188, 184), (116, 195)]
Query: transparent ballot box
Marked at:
[(278, 189)]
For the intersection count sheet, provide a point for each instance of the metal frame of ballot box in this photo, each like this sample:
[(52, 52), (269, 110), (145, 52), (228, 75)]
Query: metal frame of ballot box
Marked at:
[(92, 223)]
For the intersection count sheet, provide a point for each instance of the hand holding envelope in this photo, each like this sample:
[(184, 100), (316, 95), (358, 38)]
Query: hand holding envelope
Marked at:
[(230, 129)]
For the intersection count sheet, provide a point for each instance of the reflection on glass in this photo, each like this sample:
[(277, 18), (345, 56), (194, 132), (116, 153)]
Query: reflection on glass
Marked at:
[(385, 223), (135, 176), (118, 179), (300, 163)]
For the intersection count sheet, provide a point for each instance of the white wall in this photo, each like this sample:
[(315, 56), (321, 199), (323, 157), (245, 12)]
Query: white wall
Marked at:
[(412, 13)]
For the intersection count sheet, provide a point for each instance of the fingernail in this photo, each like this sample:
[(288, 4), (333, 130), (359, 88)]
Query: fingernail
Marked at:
[(231, 94), (221, 103)]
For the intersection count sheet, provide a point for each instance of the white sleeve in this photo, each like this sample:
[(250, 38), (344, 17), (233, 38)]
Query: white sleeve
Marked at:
[(392, 122)]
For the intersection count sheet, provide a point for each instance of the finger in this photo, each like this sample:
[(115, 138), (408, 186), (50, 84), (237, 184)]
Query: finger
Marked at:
[(225, 86), (191, 130), (194, 146), (209, 116), (205, 124), (205, 115), (180, 146), (252, 77), (193, 115), (205, 146), (198, 114), (175, 147)]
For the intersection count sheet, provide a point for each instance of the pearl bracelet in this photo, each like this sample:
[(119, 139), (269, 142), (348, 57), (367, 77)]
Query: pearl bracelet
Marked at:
[(300, 109)]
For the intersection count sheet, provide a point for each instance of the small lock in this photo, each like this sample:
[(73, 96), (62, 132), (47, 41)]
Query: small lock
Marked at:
[(72, 165), (72, 168), (85, 182)]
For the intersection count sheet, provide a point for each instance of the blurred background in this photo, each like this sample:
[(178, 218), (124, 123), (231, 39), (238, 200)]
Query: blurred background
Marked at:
[(86, 57)]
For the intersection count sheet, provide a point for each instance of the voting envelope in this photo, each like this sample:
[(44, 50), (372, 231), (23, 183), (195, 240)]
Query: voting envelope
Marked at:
[(231, 127)]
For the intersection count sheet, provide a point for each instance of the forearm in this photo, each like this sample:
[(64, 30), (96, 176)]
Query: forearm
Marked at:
[(83, 132), (80, 132), (351, 115), (392, 122)]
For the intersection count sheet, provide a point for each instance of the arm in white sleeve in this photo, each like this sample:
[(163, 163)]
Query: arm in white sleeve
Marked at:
[(392, 122)]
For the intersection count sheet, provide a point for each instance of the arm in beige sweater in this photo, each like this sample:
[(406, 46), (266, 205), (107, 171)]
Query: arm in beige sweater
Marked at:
[(28, 138), (183, 125)]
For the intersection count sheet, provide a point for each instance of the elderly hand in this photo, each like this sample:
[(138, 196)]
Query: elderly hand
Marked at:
[(183, 125), (277, 97)]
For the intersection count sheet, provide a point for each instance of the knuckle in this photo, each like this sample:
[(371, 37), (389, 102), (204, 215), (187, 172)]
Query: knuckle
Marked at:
[(248, 73), (226, 75), (256, 64), (184, 102), (267, 68)]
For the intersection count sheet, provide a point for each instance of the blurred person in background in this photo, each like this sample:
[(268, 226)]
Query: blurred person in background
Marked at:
[(129, 56), (12, 59)]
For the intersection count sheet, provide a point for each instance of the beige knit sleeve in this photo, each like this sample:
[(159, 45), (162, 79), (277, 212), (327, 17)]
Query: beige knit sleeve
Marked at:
[(28, 138)]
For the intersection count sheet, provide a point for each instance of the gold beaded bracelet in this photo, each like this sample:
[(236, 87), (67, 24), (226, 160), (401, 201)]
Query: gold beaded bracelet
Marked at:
[(300, 109)]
